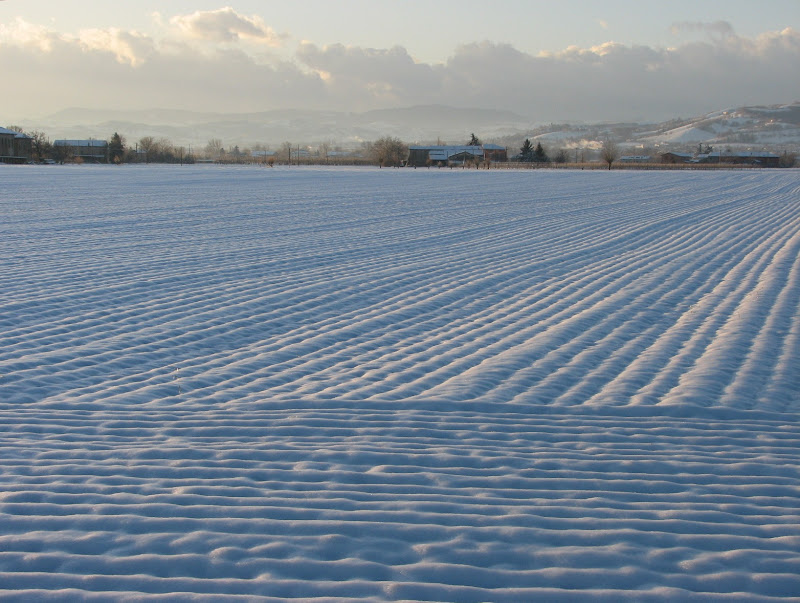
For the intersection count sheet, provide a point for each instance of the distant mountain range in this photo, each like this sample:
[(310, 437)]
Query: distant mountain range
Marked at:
[(769, 127), (414, 124)]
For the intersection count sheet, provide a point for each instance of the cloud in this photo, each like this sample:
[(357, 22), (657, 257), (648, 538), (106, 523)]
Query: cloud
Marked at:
[(126, 46), (385, 77), (226, 25), (131, 48), (21, 33), (124, 69), (610, 81)]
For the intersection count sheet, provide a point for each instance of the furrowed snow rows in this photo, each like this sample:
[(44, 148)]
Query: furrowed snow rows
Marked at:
[(399, 384), (560, 289), (392, 500)]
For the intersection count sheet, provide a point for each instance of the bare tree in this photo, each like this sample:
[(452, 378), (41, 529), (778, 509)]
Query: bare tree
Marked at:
[(285, 153), (214, 148), (367, 149), (165, 150), (62, 153), (324, 149), (159, 150), (147, 145), (787, 159), (40, 145), (389, 151), (609, 152)]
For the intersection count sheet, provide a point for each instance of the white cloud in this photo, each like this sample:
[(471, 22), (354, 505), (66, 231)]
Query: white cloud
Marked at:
[(226, 25), (130, 48), (610, 81), (21, 33)]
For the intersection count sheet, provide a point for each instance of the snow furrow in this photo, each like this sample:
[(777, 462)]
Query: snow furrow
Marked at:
[(350, 384)]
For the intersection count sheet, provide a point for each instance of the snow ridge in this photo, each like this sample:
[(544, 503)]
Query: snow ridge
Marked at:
[(399, 384)]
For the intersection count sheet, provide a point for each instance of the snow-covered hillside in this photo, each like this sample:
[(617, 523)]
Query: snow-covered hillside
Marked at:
[(399, 384), (770, 126), (775, 128)]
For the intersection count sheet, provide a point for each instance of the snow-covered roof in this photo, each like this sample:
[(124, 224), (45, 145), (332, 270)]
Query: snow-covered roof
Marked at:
[(438, 155), (743, 154), (81, 143), (445, 152), (453, 149), (13, 133), (752, 154)]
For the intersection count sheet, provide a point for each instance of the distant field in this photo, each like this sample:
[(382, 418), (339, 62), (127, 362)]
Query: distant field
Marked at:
[(354, 383)]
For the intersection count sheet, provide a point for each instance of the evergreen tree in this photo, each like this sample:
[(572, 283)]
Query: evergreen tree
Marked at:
[(474, 141), (526, 152), (116, 149), (539, 156)]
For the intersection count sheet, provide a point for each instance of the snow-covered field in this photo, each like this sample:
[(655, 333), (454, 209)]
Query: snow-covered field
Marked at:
[(399, 384)]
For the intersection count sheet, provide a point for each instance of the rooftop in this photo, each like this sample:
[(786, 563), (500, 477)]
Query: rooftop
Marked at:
[(16, 134), (81, 143), (456, 148)]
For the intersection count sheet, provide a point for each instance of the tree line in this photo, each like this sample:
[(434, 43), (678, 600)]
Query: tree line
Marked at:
[(385, 152)]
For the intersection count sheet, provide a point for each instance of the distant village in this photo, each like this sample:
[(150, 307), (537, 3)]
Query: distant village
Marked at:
[(19, 147)]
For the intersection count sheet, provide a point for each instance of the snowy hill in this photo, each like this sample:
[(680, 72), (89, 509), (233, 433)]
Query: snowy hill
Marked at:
[(753, 128), (778, 125)]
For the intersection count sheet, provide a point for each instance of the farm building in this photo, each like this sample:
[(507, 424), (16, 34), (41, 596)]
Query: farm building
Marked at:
[(635, 159), (420, 155), (759, 158), (91, 151), (676, 157), (15, 147)]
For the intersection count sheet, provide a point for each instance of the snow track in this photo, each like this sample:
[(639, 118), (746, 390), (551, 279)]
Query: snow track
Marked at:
[(399, 384)]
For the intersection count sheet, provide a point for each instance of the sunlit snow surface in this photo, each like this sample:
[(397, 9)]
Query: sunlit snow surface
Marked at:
[(399, 384)]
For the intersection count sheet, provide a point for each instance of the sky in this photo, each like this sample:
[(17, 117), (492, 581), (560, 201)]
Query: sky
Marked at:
[(549, 61)]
